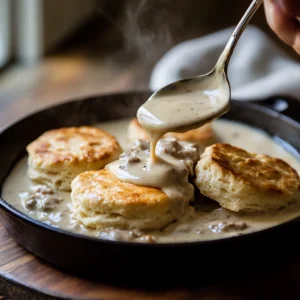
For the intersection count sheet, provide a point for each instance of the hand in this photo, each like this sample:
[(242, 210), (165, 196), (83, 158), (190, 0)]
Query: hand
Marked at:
[(283, 17)]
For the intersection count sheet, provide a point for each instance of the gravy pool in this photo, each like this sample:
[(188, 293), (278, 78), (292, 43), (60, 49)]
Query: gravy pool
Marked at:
[(207, 222)]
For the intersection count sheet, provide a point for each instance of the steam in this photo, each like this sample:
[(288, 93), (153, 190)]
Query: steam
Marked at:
[(146, 30)]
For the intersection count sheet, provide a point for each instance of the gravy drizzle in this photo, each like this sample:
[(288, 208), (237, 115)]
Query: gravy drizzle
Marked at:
[(176, 110)]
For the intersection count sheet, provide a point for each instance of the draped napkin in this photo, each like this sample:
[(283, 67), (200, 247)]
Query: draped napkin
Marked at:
[(259, 68)]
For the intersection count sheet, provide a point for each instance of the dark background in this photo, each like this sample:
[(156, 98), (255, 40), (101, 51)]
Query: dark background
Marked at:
[(112, 50), (150, 27)]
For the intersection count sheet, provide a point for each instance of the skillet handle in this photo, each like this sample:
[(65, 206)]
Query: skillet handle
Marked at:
[(285, 105)]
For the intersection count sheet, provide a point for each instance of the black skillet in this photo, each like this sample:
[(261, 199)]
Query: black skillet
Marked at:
[(279, 116)]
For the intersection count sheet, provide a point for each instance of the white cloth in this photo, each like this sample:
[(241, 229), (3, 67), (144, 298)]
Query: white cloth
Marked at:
[(258, 67)]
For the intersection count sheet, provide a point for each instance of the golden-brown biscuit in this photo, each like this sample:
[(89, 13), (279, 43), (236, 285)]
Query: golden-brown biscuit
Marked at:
[(59, 155), (203, 136), (101, 200), (243, 181)]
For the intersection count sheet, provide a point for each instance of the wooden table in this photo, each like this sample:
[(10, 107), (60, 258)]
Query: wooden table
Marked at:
[(25, 89)]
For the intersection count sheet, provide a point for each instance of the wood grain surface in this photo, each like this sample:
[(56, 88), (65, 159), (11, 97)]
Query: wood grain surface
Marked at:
[(23, 276), (26, 89)]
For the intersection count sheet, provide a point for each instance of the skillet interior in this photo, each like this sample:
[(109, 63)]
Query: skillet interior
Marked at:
[(80, 253)]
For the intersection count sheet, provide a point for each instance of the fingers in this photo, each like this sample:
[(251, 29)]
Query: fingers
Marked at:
[(282, 18)]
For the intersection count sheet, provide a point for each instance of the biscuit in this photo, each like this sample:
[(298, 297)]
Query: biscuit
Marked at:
[(59, 155), (101, 200), (203, 136), (243, 181)]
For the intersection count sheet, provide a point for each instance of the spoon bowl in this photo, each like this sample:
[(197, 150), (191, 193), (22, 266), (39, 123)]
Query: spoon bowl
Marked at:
[(190, 103), (205, 97)]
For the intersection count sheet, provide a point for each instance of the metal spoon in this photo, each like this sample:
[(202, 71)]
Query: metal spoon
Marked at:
[(192, 102)]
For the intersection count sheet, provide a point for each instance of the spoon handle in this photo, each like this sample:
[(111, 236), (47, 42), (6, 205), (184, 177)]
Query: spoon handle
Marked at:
[(227, 52)]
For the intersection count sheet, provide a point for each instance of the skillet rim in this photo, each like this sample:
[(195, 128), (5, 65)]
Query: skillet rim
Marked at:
[(8, 208)]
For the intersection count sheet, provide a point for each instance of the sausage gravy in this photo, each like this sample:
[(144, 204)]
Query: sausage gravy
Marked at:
[(204, 220)]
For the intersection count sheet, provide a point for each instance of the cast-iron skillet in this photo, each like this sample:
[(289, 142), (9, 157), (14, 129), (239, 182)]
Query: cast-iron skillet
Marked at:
[(84, 254)]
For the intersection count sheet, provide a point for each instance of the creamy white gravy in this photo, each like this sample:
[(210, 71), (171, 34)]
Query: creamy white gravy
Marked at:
[(208, 221), (179, 108), (173, 166)]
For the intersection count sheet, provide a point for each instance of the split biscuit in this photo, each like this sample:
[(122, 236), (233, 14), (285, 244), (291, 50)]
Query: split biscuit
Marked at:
[(243, 181), (59, 155), (203, 136), (100, 200)]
